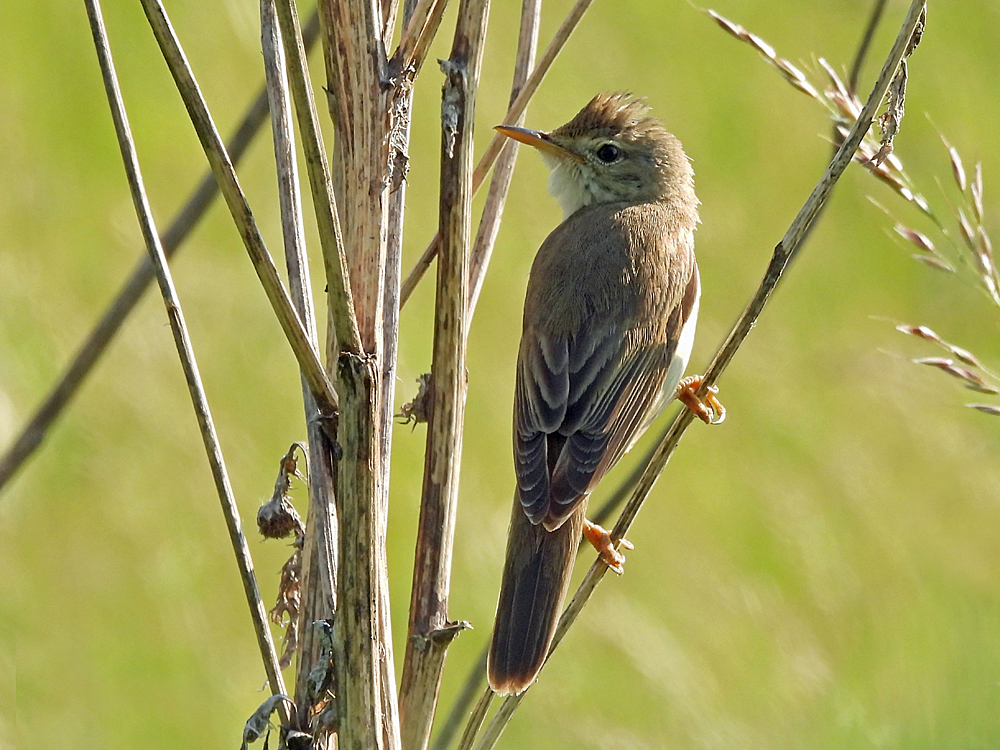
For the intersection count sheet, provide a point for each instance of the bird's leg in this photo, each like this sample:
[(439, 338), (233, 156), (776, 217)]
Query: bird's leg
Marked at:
[(605, 547), (710, 410)]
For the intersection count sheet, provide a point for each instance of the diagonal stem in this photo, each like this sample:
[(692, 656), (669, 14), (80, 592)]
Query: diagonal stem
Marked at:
[(225, 175), (515, 111), (185, 351), (100, 337), (866, 39), (319, 559), (496, 197), (421, 26), (331, 240)]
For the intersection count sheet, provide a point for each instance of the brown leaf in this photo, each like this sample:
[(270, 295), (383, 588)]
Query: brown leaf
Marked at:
[(277, 518), (417, 411)]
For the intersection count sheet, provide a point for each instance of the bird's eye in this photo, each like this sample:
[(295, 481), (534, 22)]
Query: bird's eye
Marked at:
[(609, 153)]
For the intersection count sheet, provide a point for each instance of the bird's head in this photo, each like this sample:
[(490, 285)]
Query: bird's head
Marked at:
[(613, 151)]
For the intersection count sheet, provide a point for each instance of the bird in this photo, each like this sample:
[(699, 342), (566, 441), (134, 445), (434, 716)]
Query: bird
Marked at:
[(608, 326)]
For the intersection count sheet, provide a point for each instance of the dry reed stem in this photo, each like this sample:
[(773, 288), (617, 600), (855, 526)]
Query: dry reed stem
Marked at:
[(359, 101), (389, 10), (481, 251), (317, 577), (399, 140), (283, 137), (496, 197), (515, 111), (357, 71), (339, 302), (784, 253), (866, 39), (306, 356), (423, 44), (419, 31), (97, 341), (185, 351), (430, 631), (360, 641)]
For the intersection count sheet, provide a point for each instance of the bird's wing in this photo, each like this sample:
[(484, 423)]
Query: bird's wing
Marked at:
[(555, 378), (579, 405)]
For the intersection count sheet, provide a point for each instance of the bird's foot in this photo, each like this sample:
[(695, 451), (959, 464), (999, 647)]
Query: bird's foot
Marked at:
[(708, 409), (605, 547)]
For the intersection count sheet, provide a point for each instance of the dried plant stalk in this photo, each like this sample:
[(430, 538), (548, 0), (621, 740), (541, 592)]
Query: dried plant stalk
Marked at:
[(399, 137), (306, 356), (185, 351), (481, 250), (359, 641), (317, 592), (340, 303), (421, 28), (489, 223), (97, 341), (430, 632), (360, 100), (515, 111), (357, 70)]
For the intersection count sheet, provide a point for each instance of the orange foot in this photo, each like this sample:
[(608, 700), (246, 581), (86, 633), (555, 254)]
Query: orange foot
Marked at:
[(601, 540), (710, 410)]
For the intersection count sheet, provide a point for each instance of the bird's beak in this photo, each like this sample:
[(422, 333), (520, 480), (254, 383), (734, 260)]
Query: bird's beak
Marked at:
[(537, 138)]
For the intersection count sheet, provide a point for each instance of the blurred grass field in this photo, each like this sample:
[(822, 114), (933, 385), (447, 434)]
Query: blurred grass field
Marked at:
[(822, 571)]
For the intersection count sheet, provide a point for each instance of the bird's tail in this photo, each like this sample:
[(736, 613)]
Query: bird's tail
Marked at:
[(535, 579)]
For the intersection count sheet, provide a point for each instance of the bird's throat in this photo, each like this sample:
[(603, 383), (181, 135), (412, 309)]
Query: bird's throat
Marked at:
[(568, 184)]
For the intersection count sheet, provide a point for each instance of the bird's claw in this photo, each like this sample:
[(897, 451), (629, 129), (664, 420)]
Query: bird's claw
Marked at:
[(605, 546), (708, 408)]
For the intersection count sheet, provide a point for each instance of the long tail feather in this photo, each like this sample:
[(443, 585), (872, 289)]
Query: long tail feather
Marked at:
[(535, 580)]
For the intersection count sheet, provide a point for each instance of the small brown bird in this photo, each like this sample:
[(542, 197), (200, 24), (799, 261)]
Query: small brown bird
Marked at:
[(609, 321)]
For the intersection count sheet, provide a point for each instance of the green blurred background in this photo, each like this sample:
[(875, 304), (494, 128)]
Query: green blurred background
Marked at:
[(822, 571)]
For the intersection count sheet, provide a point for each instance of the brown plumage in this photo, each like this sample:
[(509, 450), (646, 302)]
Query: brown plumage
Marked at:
[(609, 319)]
